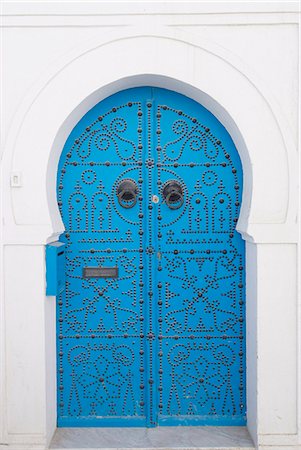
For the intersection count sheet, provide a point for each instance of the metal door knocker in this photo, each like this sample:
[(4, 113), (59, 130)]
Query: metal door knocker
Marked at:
[(127, 191), (173, 194)]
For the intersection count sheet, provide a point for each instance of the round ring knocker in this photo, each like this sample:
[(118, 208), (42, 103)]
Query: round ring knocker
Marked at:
[(173, 194), (127, 191)]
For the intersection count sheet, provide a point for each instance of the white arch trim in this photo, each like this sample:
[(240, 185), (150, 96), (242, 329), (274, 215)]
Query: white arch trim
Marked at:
[(165, 58)]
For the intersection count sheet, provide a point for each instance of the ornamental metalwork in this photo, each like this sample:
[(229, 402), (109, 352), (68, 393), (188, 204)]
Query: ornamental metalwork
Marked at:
[(150, 327)]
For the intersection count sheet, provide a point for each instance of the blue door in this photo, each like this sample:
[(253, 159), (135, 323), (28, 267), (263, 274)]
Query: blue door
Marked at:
[(150, 327)]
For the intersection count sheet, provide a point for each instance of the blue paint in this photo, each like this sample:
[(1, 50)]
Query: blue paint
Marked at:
[(164, 343), (55, 268)]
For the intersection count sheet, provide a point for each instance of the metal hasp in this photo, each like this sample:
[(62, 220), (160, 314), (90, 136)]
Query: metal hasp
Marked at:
[(150, 182), (55, 268)]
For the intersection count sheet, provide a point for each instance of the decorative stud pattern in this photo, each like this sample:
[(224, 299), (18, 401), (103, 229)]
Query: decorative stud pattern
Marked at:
[(201, 366), (164, 343)]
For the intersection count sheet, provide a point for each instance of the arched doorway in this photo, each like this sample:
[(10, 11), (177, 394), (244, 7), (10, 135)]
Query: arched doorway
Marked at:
[(151, 323)]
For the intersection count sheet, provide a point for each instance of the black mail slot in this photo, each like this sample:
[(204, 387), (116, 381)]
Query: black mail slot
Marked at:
[(100, 272)]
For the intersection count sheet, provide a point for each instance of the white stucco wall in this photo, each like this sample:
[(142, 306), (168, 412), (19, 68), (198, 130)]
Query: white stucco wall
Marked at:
[(240, 60)]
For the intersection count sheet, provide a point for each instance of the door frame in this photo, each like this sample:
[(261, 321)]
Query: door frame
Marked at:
[(267, 221)]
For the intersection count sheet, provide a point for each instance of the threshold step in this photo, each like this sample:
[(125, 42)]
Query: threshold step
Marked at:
[(160, 438)]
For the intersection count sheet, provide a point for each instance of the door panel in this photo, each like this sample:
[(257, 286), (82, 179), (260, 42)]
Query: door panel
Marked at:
[(101, 353), (162, 342)]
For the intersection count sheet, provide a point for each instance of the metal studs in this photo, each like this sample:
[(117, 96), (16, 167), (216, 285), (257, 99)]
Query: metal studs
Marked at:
[(202, 245)]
